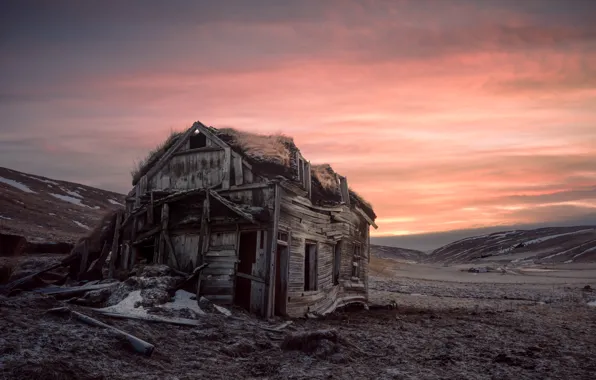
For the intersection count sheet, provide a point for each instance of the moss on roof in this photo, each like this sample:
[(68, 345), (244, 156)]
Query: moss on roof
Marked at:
[(271, 155)]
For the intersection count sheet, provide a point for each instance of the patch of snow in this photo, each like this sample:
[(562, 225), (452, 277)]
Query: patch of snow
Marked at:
[(81, 225), (549, 237), (5, 217), (80, 188), (182, 300), (19, 202), (67, 198), (593, 303), (41, 179), (128, 305), (584, 252), (96, 207), (114, 202), (16, 184), (71, 193), (51, 213)]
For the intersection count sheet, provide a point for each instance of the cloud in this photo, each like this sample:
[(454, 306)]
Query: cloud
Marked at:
[(431, 108)]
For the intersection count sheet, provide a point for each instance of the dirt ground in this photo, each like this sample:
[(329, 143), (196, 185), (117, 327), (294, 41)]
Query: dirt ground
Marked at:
[(437, 329)]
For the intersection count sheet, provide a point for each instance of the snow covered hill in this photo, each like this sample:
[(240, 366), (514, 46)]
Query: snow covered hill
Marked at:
[(47, 210), (543, 245)]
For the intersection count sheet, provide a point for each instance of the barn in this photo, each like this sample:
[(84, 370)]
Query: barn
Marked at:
[(280, 236)]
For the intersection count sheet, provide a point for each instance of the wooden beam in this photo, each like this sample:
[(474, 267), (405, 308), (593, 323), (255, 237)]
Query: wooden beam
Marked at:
[(345, 192), (366, 217), (198, 150), (204, 130), (84, 257), (133, 249), (150, 210), (271, 253), (251, 277), (308, 176), (227, 166), (145, 235), (232, 206), (102, 258), (238, 173), (115, 245)]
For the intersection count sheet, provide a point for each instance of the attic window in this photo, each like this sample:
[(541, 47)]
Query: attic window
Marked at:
[(198, 140)]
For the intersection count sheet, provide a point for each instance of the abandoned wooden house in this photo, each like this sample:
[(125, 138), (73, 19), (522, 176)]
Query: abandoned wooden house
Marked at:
[(280, 236)]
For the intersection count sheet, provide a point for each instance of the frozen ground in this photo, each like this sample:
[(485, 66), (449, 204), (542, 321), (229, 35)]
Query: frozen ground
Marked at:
[(440, 328)]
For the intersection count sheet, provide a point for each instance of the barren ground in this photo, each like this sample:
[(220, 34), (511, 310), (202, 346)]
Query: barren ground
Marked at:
[(446, 325)]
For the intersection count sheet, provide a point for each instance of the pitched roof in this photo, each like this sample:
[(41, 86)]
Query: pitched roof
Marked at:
[(270, 155)]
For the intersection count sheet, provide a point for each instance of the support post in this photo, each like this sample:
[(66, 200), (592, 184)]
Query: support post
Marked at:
[(115, 245), (271, 253)]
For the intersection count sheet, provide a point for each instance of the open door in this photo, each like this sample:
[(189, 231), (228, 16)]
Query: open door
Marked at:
[(281, 279), (247, 252)]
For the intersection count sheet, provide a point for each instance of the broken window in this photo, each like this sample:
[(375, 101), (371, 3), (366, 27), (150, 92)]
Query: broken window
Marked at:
[(336, 263), (198, 140), (282, 236), (357, 261), (310, 266)]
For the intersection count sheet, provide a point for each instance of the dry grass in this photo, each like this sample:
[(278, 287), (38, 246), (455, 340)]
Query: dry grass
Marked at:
[(360, 199), (141, 167), (272, 147), (326, 176)]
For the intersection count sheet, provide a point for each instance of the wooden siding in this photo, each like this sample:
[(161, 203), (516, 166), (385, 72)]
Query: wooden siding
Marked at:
[(326, 228)]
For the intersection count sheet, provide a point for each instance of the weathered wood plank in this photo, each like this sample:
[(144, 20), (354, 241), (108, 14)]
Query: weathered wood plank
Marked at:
[(115, 245), (198, 150), (366, 217), (251, 277), (84, 257), (226, 168), (238, 172), (345, 192)]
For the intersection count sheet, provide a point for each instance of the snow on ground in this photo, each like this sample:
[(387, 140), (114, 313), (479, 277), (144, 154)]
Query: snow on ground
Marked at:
[(593, 303), (5, 217), (182, 300), (584, 252), (71, 193), (81, 225), (545, 238), (16, 184), (128, 305), (115, 202), (69, 199), (51, 214)]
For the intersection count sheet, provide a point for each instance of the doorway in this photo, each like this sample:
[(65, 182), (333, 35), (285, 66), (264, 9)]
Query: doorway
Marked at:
[(247, 253), (281, 279)]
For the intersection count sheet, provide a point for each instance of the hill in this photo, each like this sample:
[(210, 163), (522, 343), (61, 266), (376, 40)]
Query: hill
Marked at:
[(395, 253), (44, 210), (543, 245)]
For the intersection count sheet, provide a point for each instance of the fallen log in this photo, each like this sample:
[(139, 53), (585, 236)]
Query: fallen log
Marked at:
[(137, 344), (151, 318)]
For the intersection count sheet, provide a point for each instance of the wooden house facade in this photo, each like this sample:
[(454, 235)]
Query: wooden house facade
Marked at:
[(275, 239)]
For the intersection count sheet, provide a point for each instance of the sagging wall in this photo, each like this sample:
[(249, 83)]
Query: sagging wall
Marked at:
[(306, 227)]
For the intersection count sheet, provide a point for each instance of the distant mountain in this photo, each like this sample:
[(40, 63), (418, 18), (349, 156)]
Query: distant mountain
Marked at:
[(543, 245), (395, 253), (48, 210)]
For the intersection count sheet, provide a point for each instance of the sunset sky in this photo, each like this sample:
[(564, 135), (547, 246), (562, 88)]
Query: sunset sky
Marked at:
[(445, 114)]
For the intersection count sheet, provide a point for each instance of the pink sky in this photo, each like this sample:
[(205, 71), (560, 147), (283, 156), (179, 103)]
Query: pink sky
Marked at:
[(446, 115)]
